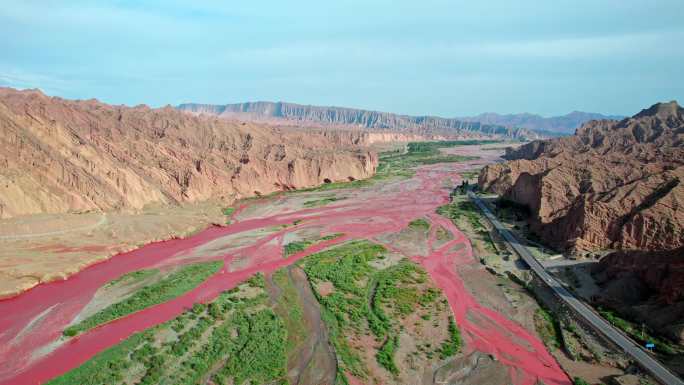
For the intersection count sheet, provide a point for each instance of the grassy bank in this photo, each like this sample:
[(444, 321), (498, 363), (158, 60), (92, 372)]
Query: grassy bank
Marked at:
[(172, 286), (640, 333), (399, 164), (235, 339), (549, 328), (419, 224), (297, 246), (453, 345), (289, 306), (321, 202), (466, 216), (362, 299), (347, 306)]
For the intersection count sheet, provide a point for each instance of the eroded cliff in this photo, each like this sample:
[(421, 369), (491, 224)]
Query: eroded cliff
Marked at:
[(647, 286), (611, 185), (423, 127), (60, 155)]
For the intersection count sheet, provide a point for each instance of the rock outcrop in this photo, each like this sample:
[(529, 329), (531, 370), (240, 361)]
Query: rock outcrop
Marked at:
[(424, 127), (355, 137), (613, 185), (60, 155), (661, 271), (647, 286)]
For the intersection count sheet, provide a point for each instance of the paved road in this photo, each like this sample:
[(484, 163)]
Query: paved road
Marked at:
[(567, 262), (657, 370)]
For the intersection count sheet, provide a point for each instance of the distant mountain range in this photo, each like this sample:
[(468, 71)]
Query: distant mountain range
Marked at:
[(426, 127), (565, 124), (517, 126)]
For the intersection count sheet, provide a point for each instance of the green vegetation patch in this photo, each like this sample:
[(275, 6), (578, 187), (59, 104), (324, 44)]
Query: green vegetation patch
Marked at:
[(433, 147), (366, 299), (106, 367), (321, 202), (172, 286), (419, 224), (258, 353), (470, 174), (463, 209), (549, 328), (289, 307), (228, 212), (297, 246), (134, 276), (385, 355), (453, 345), (641, 333), (395, 289), (235, 339), (400, 164), (443, 234), (347, 308)]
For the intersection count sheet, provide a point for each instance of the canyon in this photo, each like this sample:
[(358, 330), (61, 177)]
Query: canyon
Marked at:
[(381, 216), (103, 205)]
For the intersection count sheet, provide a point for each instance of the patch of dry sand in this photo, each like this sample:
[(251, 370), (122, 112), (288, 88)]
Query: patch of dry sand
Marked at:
[(48, 247)]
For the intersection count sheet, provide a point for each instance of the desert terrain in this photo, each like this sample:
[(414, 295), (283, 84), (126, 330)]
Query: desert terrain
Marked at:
[(342, 193), (82, 180), (372, 281)]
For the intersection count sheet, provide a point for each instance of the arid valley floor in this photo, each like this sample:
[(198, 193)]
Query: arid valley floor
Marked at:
[(347, 273)]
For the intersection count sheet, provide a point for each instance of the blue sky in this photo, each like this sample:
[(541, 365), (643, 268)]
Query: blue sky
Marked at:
[(447, 58)]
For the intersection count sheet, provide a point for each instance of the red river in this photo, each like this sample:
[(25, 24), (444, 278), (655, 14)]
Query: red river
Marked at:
[(31, 323)]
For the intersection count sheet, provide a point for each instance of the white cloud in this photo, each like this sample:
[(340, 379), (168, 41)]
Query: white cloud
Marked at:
[(19, 79)]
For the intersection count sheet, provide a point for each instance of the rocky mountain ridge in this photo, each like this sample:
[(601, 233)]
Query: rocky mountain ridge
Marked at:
[(62, 155), (425, 127), (613, 185), (562, 125)]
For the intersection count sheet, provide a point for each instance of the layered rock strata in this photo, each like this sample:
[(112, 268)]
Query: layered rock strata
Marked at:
[(60, 155), (421, 127), (613, 185)]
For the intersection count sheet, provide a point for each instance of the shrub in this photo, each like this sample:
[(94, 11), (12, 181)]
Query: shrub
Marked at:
[(178, 283)]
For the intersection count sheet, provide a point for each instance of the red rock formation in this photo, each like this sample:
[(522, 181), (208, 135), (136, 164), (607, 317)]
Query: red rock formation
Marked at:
[(611, 185), (661, 271), (59, 155), (647, 287)]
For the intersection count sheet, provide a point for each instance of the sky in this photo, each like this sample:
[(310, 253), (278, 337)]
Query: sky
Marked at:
[(427, 57)]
